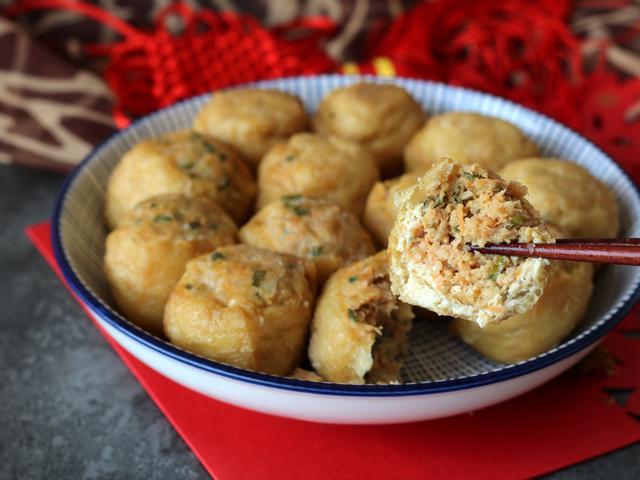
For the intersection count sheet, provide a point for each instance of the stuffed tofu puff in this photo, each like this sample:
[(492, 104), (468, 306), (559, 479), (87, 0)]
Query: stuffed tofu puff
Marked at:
[(183, 162), (252, 120), (380, 117), (556, 314), (450, 206), (311, 228), (146, 256), (380, 210), (467, 138), (244, 306), (359, 329), (320, 167), (568, 196)]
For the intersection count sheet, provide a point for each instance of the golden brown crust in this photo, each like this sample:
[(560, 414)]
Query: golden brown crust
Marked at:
[(568, 196), (186, 163), (146, 256), (315, 229), (380, 117), (551, 319), (252, 120), (244, 306), (319, 167), (359, 329), (380, 210), (467, 138)]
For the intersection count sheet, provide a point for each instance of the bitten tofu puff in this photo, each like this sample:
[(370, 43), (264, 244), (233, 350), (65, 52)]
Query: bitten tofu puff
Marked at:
[(182, 162), (467, 138), (312, 228), (244, 306), (359, 329), (568, 196), (381, 118), (251, 120), (146, 255), (556, 314), (450, 206), (317, 166), (380, 210)]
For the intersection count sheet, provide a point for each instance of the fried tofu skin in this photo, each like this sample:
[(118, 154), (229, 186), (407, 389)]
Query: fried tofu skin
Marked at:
[(311, 228), (244, 306), (321, 167), (380, 211), (252, 120), (568, 196), (186, 163), (380, 117), (467, 138), (146, 256), (551, 319), (359, 329)]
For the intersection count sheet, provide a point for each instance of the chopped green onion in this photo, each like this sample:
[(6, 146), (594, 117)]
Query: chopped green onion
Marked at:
[(162, 218), (224, 183), (471, 176), (515, 222), (258, 277), (291, 198), (496, 268), (300, 211), (290, 201)]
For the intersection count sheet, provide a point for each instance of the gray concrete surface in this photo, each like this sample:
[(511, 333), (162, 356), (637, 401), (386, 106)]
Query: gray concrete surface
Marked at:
[(69, 409)]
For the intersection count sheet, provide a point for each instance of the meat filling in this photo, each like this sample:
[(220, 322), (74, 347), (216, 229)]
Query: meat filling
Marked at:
[(390, 320)]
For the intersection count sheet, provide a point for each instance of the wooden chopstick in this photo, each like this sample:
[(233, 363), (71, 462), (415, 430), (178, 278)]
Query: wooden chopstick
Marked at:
[(609, 241), (620, 251)]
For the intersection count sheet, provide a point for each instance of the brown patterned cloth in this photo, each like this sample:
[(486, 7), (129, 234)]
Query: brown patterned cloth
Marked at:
[(55, 109), (66, 30), (51, 112), (610, 33)]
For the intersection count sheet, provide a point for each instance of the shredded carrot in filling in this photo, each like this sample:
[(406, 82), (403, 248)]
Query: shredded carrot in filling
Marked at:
[(478, 208)]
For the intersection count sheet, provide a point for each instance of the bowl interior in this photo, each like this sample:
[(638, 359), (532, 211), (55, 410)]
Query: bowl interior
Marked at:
[(435, 355)]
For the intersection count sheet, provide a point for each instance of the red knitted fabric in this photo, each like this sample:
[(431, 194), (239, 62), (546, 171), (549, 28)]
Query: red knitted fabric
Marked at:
[(523, 51), (148, 70)]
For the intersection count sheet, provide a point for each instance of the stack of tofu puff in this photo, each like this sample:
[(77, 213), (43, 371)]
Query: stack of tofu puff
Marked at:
[(258, 238)]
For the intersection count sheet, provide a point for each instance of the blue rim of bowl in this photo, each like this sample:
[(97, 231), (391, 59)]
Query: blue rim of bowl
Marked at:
[(163, 347)]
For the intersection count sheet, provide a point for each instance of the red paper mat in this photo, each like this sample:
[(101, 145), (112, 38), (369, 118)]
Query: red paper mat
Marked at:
[(566, 421)]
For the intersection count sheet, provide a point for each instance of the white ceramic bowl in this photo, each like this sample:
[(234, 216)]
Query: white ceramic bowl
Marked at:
[(442, 375)]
